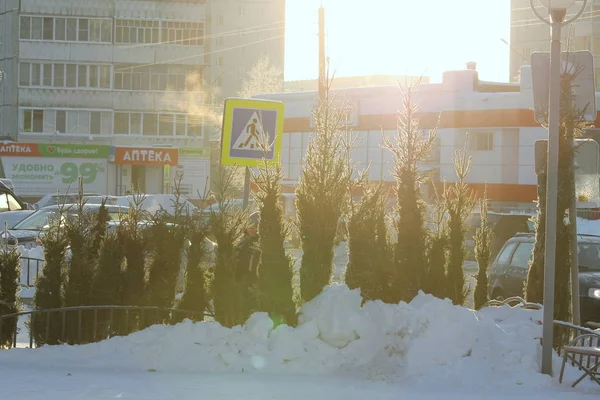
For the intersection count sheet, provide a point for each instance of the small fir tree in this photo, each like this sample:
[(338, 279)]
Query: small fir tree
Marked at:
[(275, 293), (132, 236), (321, 196), (233, 301), (410, 147), (460, 200), (195, 296), (49, 284), (10, 272), (483, 243), (437, 249), (107, 285), (167, 239), (370, 255), (81, 230)]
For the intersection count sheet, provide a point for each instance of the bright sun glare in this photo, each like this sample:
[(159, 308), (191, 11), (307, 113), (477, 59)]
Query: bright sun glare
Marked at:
[(399, 37)]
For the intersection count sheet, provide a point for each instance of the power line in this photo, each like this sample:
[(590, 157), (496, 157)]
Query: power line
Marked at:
[(213, 36), (200, 54)]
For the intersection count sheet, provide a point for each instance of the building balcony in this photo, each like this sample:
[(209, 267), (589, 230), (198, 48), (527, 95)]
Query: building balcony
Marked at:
[(170, 101), (108, 53), (113, 140)]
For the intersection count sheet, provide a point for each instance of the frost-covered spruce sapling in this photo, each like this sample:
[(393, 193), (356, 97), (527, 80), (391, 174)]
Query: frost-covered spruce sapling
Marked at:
[(49, 284), (167, 235), (10, 272), (195, 297), (370, 255), (232, 299), (460, 200), (107, 285), (437, 249), (274, 290), (483, 242), (135, 245), (321, 197), (410, 147), (81, 229)]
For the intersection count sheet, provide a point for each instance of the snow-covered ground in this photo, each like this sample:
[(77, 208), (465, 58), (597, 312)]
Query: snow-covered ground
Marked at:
[(426, 349)]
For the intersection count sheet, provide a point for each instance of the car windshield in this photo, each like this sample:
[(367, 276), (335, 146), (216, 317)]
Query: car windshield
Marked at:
[(589, 256), (41, 219), (38, 220), (12, 218)]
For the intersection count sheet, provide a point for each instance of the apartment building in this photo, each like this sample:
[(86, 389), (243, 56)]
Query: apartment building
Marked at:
[(135, 75), (528, 34)]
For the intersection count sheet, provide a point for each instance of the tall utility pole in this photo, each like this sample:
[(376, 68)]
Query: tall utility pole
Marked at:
[(322, 61)]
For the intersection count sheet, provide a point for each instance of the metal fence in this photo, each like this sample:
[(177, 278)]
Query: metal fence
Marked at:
[(31, 268), (87, 324), (566, 331)]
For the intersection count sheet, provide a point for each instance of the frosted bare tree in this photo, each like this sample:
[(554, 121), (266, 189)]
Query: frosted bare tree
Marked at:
[(263, 78)]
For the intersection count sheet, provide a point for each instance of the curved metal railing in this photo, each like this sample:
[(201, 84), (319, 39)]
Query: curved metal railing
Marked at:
[(513, 302)]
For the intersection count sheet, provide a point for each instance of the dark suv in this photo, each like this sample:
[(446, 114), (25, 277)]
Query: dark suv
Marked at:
[(508, 274), (503, 225)]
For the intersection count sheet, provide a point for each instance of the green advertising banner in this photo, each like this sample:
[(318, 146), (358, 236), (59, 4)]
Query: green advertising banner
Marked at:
[(74, 150), (42, 175), (54, 150), (194, 152)]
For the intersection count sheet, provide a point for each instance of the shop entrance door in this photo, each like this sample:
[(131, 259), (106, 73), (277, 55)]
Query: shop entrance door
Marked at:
[(138, 178)]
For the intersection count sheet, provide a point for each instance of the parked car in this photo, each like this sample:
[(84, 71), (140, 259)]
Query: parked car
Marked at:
[(108, 199), (11, 218), (28, 231), (9, 201), (503, 226), (62, 198), (8, 183), (153, 203), (508, 273)]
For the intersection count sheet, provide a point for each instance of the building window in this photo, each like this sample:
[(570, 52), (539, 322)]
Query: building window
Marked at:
[(62, 29), (220, 20), (151, 124), (484, 141), (64, 75), (183, 33), (219, 61), (219, 40), (136, 31), (61, 121), (158, 77), (33, 121), (121, 123), (67, 121)]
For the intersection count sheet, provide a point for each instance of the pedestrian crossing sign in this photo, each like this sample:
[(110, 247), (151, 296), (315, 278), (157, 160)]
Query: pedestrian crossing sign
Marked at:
[(252, 132)]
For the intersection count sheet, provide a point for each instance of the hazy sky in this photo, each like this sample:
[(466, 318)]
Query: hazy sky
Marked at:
[(416, 37)]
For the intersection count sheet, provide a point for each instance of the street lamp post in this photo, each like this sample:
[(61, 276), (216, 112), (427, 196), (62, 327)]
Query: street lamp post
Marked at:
[(557, 11)]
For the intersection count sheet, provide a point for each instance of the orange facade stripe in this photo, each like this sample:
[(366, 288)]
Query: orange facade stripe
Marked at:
[(446, 119)]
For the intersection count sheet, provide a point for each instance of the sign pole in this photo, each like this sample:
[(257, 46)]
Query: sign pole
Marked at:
[(551, 197), (246, 188)]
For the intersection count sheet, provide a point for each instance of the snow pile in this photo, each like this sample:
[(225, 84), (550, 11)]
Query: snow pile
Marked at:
[(425, 341)]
